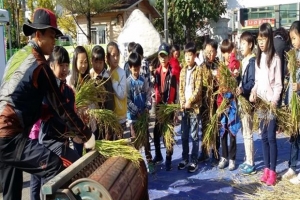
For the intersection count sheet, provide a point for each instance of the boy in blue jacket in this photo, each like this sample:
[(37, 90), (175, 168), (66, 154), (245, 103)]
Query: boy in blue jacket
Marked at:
[(247, 82), (138, 101)]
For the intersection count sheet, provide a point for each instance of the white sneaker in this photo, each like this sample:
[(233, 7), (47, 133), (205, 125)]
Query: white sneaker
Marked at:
[(290, 173), (223, 163), (295, 180), (231, 165)]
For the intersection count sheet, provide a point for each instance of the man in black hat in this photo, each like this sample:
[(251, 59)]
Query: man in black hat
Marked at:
[(27, 80)]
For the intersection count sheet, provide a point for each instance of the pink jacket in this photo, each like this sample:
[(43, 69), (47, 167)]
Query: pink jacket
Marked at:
[(268, 83), (34, 133)]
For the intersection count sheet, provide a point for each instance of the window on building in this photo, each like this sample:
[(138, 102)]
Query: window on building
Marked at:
[(98, 34)]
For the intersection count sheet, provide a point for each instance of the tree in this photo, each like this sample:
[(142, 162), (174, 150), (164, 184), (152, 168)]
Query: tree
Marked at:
[(188, 13), (33, 4), (88, 8), (67, 24), (17, 14)]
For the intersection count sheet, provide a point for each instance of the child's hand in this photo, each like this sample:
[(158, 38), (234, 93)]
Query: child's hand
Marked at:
[(236, 73), (252, 97), (187, 105), (273, 104), (182, 106), (295, 87), (239, 90)]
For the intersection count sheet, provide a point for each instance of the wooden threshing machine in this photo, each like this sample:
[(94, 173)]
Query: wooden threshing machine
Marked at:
[(94, 177)]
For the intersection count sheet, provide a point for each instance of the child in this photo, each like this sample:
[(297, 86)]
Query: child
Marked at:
[(267, 67), (97, 61), (79, 73), (144, 71), (165, 93), (229, 120), (244, 89), (294, 87), (126, 65), (190, 90), (80, 68), (209, 105), (174, 62), (52, 129), (118, 78), (138, 101), (103, 77)]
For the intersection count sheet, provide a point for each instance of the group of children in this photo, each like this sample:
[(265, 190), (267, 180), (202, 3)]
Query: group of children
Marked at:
[(132, 90)]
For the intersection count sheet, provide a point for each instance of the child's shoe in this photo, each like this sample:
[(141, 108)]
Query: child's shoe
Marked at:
[(223, 163), (168, 165), (290, 173), (158, 160), (248, 169), (231, 165), (296, 180), (243, 165), (193, 166), (183, 164), (203, 157), (265, 175), (271, 178), (151, 167)]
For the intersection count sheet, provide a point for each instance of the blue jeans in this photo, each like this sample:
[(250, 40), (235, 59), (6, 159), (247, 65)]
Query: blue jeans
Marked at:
[(269, 143), (190, 127), (295, 145)]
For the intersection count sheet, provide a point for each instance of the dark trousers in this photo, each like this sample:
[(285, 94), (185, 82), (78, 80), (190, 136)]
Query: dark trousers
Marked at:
[(78, 147), (157, 133), (190, 129), (147, 145), (19, 153), (36, 182), (269, 143), (232, 146), (295, 146)]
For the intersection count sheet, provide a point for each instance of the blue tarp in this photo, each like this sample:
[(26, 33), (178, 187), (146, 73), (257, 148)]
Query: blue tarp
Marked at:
[(210, 182)]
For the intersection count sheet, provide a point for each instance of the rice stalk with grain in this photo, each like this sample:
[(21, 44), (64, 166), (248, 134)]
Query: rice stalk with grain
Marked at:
[(164, 116), (141, 129), (122, 148)]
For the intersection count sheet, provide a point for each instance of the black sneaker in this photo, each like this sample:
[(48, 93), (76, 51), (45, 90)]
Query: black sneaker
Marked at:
[(193, 167), (203, 157), (183, 164), (168, 165), (157, 160)]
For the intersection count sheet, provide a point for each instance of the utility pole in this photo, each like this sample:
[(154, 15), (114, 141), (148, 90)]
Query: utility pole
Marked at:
[(1, 4), (166, 21)]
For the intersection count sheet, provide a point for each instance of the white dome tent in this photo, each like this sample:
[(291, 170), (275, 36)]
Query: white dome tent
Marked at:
[(4, 20)]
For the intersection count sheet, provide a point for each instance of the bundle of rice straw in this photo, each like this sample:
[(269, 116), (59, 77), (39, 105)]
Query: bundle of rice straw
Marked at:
[(295, 102), (89, 93), (141, 129), (227, 82), (245, 107), (265, 110), (211, 130), (122, 148), (164, 116), (106, 119)]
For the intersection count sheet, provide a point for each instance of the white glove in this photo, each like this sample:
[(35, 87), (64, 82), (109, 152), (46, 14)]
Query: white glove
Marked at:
[(90, 144)]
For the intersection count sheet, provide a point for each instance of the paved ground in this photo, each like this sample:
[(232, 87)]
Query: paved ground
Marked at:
[(208, 182)]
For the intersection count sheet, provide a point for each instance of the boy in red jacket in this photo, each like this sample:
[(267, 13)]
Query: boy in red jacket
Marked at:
[(165, 93)]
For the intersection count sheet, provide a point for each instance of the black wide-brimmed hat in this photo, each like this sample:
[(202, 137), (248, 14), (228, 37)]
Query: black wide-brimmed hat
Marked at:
[(42, 19)]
